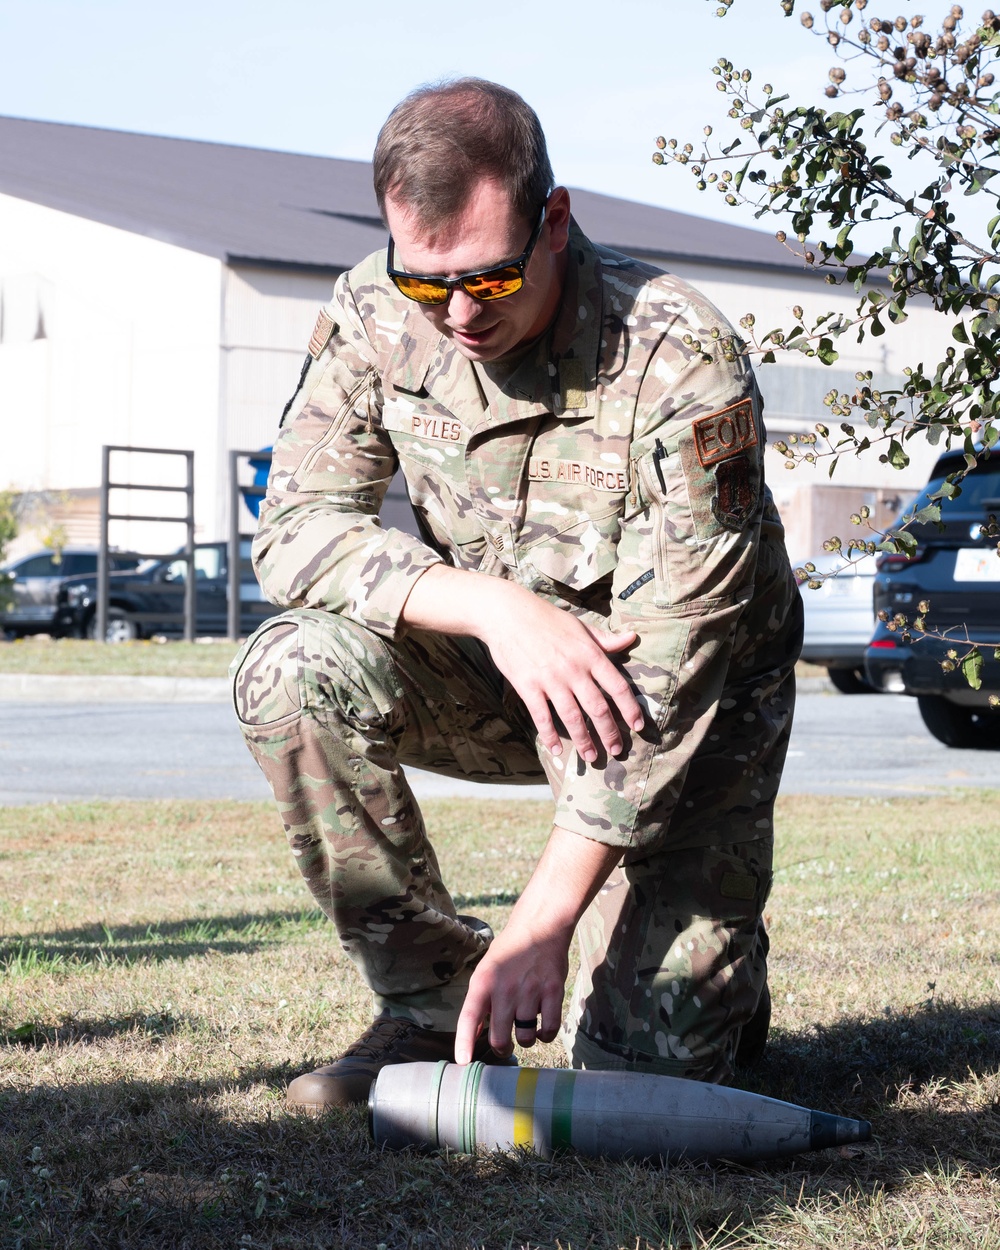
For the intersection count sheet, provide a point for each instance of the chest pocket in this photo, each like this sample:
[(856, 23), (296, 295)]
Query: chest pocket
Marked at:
[(579, 553), (427, 433), (577, 486), (430, 444)]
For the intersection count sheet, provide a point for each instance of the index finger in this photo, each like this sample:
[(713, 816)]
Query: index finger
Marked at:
[(474, 1012)]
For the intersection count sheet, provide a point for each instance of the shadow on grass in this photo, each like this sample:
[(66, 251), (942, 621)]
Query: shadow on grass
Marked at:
[(205, 1162), (858, 1061), (153, 943)]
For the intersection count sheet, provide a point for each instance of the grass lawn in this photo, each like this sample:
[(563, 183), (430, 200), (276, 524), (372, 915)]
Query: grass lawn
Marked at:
[(208, 658), (75, 657), (164, 978)]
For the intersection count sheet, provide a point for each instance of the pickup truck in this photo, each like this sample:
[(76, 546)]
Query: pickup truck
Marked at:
[(150, 599)]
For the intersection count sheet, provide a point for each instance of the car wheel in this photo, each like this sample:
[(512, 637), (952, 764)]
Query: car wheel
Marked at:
[(955, 726), (849, 681), (120, 627)]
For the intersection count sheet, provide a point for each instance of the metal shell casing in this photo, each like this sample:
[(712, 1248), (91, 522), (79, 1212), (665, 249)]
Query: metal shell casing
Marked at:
[(610, 1114)]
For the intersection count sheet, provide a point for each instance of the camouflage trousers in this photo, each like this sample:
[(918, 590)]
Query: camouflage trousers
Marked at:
[(673, 949)]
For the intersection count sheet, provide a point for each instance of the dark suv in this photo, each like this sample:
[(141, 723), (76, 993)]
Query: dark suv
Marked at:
[(956, 570), (150, 600)]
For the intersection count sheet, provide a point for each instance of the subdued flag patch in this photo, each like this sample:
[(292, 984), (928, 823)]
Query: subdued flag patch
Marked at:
[(322, 333)]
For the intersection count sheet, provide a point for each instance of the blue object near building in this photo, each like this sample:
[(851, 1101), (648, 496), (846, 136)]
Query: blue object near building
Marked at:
[(252, 495)]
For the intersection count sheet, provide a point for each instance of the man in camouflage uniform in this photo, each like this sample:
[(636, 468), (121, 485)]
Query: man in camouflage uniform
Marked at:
[(601, 597)]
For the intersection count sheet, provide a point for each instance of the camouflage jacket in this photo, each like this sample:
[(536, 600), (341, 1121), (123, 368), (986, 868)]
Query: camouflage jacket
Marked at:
[(618, 473)]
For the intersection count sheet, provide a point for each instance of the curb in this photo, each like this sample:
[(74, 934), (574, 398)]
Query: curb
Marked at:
[(45, 688)]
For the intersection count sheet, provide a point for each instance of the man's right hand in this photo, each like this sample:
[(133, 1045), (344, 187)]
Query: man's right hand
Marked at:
[(555, 662)]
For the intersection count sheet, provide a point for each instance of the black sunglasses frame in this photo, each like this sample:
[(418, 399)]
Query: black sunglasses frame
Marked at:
[(520, 263)]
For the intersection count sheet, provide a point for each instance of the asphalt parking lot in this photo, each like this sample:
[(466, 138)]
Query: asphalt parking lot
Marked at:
[(59, 751)]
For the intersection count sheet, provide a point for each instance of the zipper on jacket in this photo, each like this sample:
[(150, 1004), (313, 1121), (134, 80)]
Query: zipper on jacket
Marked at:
[(365, 383)]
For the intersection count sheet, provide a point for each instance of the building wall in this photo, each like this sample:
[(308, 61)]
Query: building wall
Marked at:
[(267, 318), (106, 337)]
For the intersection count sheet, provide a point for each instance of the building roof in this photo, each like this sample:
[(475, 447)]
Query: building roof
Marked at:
[(251, 205)]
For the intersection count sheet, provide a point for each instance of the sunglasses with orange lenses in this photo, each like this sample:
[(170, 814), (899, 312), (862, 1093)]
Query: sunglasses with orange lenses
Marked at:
[(484, 284)]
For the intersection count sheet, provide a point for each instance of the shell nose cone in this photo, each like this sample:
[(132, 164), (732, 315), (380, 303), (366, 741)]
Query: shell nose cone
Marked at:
[(836, 1130)]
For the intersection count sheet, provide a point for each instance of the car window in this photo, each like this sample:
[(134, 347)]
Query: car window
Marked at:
[(980, 488), (207, 564), (40, 566), (77, 563)]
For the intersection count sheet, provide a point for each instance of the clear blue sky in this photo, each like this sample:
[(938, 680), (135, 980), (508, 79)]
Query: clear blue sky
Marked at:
[(320, 76)]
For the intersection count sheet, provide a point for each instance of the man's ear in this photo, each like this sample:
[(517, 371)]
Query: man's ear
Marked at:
[(557, 217)]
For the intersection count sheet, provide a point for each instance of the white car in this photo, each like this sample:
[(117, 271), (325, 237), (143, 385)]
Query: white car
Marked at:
[(840, 619)]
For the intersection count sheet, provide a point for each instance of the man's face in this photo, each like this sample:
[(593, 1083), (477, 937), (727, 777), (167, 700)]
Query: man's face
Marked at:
[(486, 233)]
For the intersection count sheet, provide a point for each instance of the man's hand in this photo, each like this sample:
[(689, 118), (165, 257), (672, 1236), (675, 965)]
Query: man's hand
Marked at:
[(523, 974), (521, 977), (554, 661)]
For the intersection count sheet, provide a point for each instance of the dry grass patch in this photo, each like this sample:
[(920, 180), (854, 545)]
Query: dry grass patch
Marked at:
[(164, 978)]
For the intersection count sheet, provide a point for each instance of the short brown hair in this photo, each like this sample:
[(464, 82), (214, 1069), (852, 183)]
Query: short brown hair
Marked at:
[(440, 138)]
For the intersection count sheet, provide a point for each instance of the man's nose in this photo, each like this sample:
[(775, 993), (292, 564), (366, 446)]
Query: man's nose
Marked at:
[(462, 308)]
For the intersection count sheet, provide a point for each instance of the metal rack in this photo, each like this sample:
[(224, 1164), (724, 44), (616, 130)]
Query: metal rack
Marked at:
[(108, 484), (236, 493)]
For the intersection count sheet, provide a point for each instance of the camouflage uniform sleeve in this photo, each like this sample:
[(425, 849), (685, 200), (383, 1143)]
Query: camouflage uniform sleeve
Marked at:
[(320, 543), (685, 572)]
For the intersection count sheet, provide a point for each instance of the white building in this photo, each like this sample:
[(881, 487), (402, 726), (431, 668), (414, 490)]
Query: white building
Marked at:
[(160, 292)]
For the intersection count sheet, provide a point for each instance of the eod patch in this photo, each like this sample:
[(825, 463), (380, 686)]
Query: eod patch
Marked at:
[(725, 433), (727, 466)]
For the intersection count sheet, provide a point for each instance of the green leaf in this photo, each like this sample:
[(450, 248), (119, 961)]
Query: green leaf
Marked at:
[(972, 668), (896, 314), (897, 457), (932, 512), (980, 178), (959, 334), (905, 542), (826, 352)]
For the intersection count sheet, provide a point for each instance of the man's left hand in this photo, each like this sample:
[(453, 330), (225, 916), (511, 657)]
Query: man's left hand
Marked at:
[(522, 976), (520, 979)]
